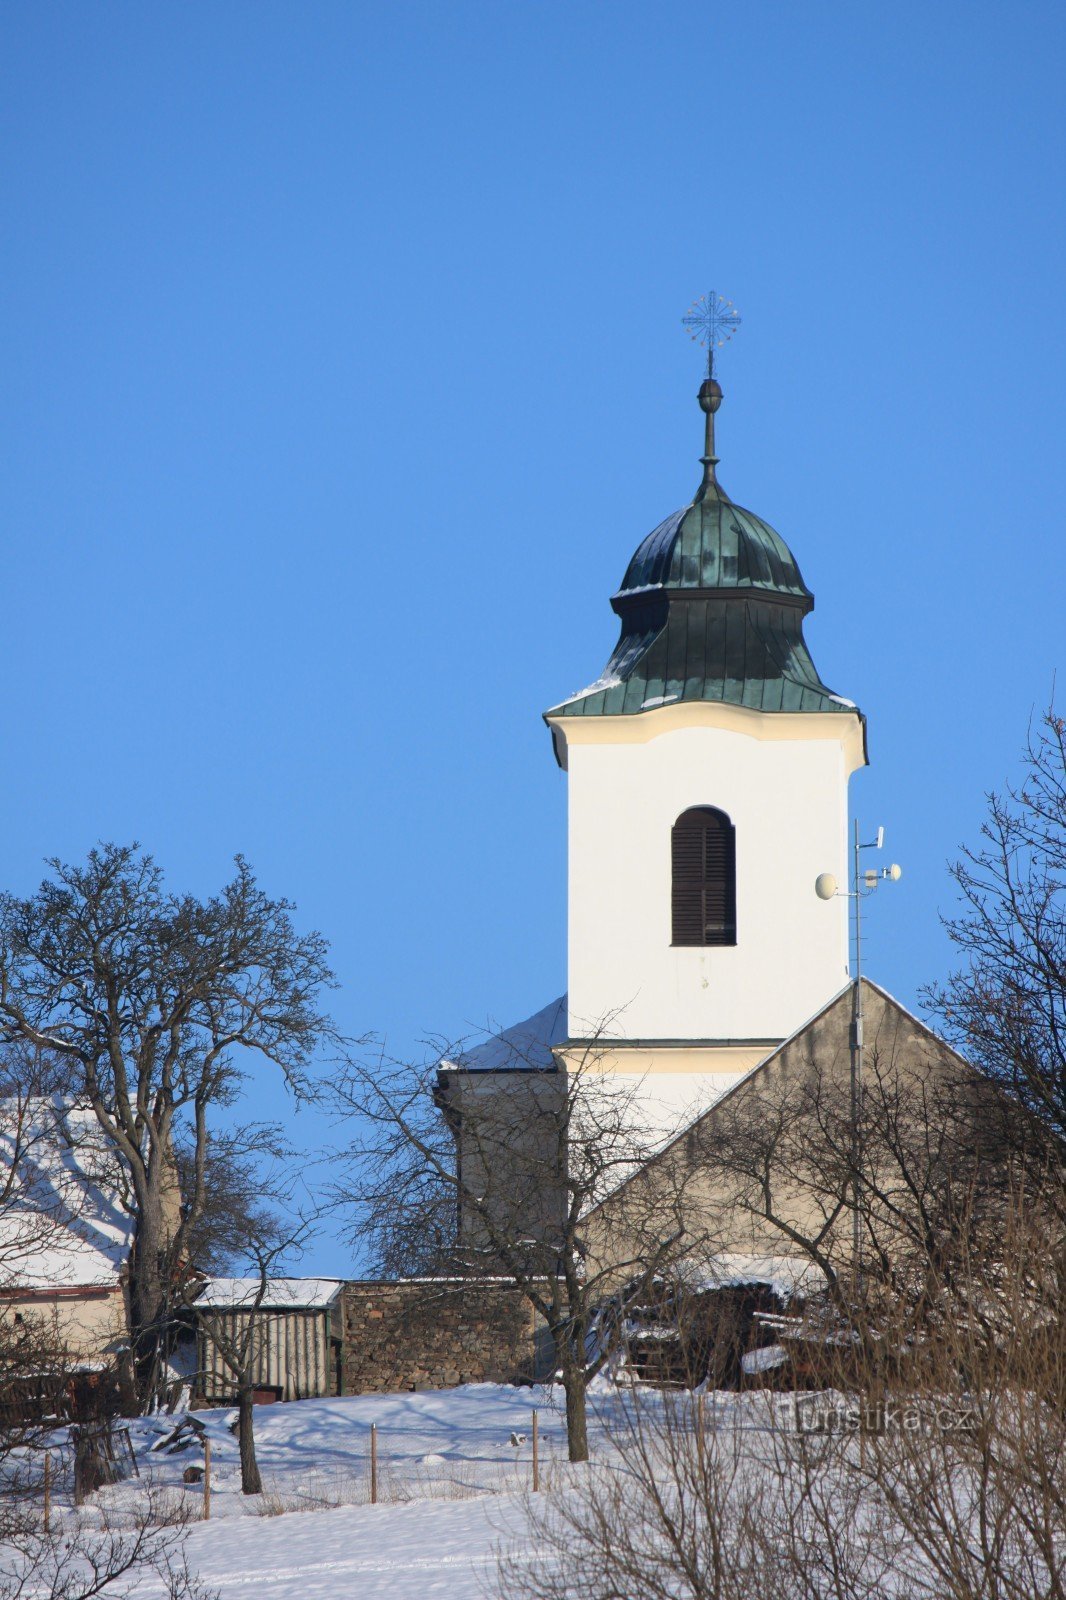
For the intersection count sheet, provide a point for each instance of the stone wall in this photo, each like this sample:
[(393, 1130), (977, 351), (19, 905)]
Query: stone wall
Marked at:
[(434, 1334)]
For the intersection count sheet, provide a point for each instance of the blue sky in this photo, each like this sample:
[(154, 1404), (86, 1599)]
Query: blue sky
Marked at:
[(342, 371)]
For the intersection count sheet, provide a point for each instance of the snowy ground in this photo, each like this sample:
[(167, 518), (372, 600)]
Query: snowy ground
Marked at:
[(451, 1488)]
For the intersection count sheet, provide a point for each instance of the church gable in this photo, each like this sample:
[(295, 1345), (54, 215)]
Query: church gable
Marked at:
[(768, 1169)]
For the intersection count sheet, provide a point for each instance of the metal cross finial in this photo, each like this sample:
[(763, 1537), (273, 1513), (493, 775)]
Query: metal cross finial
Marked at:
[(712, 321)]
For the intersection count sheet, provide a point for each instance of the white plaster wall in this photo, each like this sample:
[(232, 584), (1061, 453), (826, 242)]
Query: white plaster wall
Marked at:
[(788, 802)]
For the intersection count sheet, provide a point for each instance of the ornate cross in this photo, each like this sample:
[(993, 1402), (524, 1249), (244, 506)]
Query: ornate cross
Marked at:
[(712, 321)]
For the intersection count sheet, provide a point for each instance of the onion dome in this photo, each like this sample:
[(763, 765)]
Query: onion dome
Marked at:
[(712, 607)]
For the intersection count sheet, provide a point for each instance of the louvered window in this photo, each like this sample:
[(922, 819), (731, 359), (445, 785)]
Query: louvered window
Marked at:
[(704, 899)]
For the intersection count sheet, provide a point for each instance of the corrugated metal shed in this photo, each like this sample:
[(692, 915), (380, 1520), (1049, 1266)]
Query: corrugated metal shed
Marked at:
[(294, 1335)]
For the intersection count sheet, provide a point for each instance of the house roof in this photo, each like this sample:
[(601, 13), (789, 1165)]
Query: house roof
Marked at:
[(65, 1225), (282, 1294)]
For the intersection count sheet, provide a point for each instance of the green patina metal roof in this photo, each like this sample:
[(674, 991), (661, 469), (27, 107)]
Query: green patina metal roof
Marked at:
[(712, 608), (714, 544)]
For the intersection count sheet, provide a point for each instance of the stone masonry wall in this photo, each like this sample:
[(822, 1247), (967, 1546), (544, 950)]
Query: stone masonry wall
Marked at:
[(425, 1334)]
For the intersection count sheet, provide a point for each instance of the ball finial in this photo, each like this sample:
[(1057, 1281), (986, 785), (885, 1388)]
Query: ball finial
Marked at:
[(710, 395)]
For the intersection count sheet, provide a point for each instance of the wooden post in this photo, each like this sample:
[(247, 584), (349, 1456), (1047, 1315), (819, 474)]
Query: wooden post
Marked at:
[(373, 1463), (48, 1491), (207, 1480), (536, 1452)]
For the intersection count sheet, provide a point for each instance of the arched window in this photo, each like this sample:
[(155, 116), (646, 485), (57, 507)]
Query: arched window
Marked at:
[(704, 896)]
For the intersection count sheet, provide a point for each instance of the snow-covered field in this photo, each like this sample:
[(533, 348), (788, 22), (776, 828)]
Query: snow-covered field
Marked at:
[(454, 1480), (451, 1485)]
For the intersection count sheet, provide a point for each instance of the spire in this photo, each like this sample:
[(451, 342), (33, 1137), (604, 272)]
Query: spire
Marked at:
[(710, 398)]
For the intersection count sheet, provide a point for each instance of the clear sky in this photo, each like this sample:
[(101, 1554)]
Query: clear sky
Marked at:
[(342, 372)]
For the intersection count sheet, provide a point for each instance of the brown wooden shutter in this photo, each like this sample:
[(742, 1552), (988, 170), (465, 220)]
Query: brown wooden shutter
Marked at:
[(704, 895)]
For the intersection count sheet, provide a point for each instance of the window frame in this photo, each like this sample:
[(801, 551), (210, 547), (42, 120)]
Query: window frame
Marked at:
[(699, 823)]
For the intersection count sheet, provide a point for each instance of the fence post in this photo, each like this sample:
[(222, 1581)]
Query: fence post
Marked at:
[(373, 1463), (536, 1452), (48, 1491), (207, 1480)]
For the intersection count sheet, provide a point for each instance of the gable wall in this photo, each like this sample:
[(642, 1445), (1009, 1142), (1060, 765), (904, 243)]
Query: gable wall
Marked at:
[(913, 1063)]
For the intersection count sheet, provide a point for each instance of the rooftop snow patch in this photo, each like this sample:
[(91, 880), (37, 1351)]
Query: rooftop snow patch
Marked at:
[(525, 1045), (281, 1294), (786, 1275), (65, 1224)]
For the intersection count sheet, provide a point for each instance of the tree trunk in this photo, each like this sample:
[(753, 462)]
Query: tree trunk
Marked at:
[(251, 1482), (577, 1434), (147, 1302)]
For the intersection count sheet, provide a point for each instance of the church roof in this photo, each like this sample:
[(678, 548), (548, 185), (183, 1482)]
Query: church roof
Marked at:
[(523, 1047), (711, 607), (715, 544)]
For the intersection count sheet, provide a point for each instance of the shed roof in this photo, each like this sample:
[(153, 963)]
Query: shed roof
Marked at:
[(282, 1294)]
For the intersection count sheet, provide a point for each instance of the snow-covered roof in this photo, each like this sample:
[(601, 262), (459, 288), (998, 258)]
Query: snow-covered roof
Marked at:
[(663, 1103), (525, 1044), (64, 1225), (282, 1294), (788, 1275)]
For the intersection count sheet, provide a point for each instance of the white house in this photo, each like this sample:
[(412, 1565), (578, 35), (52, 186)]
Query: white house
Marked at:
[(65, 1230)]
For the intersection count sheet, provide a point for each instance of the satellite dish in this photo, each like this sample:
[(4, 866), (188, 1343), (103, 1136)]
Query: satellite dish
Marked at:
[(825, 886)]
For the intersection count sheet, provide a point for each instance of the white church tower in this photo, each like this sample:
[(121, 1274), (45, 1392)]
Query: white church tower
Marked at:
[(708, 773)]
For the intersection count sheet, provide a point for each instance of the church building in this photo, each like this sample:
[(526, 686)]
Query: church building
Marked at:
[(708, 944), (707, 770)]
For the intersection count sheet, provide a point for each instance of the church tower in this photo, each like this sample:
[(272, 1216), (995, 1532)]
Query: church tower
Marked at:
[(707, 770)]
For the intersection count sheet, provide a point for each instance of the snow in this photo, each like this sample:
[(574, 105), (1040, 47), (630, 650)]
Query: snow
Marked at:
[(451, 1485), (525, 1045), (764, 1360), (607, 680), (453, 1491), (786, 1275), (282, 1294), (404, 1552), (454, 1476), (65, 1227)]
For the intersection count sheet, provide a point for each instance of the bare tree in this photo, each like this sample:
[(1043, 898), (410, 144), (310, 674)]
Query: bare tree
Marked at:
[(273, 1229), (1005, 1007), (80, 1554), (950, 1485), (45, 1207), (495, 1173), (239, 1168), (932, 1160), (151, 998)]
